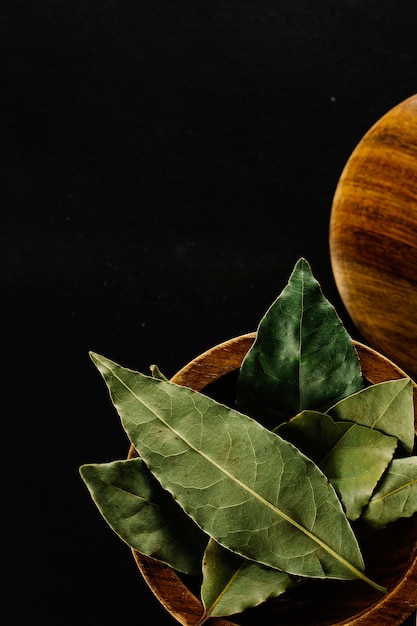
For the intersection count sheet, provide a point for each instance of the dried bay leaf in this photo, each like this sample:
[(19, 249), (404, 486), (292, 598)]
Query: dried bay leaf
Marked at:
[(396, 494), (232, 584), (302, 357), (386, 406), (144, 515), (235, 478), (353, 457)]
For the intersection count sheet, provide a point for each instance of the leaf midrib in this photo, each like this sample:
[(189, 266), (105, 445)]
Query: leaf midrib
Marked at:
[(393, 491)]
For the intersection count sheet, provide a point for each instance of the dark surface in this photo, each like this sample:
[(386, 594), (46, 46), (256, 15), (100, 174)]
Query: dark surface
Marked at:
[(164, 165)]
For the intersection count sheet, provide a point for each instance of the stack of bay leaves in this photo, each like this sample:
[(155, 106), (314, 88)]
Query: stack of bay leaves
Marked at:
[(256, 498)]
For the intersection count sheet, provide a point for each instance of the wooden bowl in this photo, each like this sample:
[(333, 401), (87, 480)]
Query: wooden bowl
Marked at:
[(373, 236), (391, 554)]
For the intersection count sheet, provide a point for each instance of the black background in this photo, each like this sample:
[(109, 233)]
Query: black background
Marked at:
[(164, 166)]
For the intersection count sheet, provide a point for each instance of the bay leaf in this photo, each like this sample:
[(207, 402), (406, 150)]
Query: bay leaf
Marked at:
[(396, 494), (144, 515), (302, 356), (232, 584), (386, 406), (353, 457), (235, 478)]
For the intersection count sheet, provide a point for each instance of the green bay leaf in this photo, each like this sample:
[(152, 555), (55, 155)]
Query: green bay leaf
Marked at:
[(232, 584), (144, 515), (246, 487), (386, 406), (353, 457), (302, 357), (395, 496)]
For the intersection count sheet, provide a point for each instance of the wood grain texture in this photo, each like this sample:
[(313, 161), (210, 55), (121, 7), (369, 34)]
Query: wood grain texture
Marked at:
[(391, 554), (373, 235)]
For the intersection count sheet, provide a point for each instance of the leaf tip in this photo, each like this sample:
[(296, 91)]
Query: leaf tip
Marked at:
[(156, 373)]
